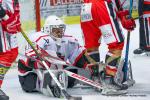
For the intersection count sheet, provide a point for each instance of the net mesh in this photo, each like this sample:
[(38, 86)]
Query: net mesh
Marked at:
[(28, 14)]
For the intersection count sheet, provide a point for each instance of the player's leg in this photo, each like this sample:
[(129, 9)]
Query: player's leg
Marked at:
[(6, 60)]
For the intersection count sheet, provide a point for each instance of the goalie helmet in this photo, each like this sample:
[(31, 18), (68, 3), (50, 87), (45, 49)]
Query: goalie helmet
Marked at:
[(55, 27)]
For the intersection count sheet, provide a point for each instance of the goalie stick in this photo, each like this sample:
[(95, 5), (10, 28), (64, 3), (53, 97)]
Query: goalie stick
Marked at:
[(68, 96)]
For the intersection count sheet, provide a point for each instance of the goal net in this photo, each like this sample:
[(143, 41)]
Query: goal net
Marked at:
[(29, 13), (30, 21)]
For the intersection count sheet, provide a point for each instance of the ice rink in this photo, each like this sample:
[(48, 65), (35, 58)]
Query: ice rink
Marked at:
[(140, 66)]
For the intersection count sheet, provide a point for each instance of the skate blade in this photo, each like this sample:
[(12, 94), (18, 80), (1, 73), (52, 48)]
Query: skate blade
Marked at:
[(130, 82), (143, 54)]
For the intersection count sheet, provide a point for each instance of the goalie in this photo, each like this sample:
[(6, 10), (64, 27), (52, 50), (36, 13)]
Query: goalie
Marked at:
[(52, 41), (32, 74)]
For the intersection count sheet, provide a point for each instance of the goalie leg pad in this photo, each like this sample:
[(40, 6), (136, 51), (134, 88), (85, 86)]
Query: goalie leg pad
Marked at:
[(28, 82), (72, 81), (49, 86)]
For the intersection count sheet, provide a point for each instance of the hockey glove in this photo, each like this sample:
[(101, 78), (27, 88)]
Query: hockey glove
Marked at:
[(2, 12), (127, 23), (12, 24)]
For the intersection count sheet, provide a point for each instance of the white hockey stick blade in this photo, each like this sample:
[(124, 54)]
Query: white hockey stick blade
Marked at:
[(113, 92)]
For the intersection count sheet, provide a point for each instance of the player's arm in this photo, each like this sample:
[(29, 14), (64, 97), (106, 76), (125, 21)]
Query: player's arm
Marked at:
[(10, 20), (126, 21)]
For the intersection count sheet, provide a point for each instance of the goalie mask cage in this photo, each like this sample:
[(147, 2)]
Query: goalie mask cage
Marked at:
[(30, 14)]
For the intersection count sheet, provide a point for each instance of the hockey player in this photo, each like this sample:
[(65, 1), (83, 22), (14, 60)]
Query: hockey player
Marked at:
[(9, 26), (99, 18), (51, 39), (31, 72), (144, 31)]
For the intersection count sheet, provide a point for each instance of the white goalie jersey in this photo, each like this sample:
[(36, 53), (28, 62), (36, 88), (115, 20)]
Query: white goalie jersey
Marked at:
[(41, 41), (68, 49)]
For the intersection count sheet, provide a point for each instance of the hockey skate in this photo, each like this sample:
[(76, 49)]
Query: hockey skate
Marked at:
[(111, 87), (3, 96), (141, 51)]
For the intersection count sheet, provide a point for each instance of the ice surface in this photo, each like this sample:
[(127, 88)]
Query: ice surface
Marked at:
[(140, 66)]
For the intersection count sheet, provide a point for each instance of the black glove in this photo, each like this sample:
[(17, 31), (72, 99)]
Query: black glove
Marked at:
[(2, 11)]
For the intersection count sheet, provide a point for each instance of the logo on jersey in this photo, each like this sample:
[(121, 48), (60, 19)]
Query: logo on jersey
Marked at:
[(86, 12), (46, 44), (108, 34)]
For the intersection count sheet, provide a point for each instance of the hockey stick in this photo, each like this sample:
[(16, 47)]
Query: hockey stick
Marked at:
[(68, 96), (125, 66)]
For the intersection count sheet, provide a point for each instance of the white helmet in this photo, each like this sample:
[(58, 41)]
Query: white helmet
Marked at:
[(55, 27)]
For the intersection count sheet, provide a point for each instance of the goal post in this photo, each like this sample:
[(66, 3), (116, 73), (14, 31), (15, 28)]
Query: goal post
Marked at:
[(38, 16)]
